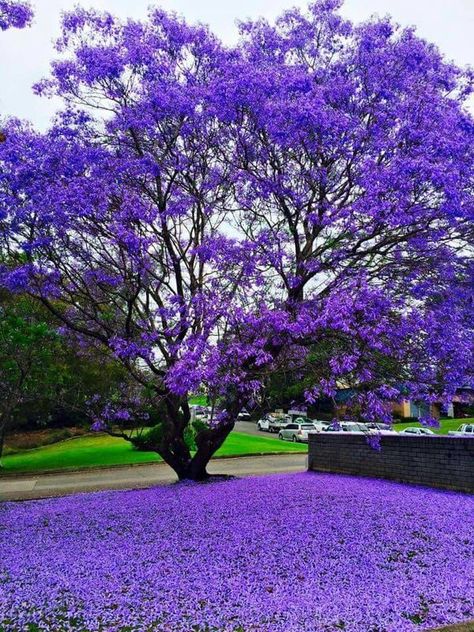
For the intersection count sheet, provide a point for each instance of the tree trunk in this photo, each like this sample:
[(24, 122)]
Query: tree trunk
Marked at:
[(2, 441), (208, 442), (194, 468), (193, 471), (172, 446), (3, 428)]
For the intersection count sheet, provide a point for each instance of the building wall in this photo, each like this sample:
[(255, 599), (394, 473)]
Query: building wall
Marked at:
[(401, 408), (409, 409), (438, 461)]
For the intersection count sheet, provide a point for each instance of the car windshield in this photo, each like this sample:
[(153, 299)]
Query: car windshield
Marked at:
[(307, 426)]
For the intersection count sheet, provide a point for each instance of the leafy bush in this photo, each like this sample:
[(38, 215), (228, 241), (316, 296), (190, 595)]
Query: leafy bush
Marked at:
[(150, 439)]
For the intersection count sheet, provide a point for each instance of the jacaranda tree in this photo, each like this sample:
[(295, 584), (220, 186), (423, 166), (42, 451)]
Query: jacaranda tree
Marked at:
[(210, 214), (352, 154)]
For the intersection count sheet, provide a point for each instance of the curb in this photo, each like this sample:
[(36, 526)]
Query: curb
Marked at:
[(468, 626), (74, 470)]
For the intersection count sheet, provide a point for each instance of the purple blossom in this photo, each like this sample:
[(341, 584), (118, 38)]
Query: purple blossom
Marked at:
[(15, 14)]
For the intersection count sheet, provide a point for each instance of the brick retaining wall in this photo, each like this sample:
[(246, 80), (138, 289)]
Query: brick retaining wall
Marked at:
[(438, 461)]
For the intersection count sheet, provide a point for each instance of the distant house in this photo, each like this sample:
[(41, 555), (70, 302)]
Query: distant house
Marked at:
[(407, 408), (404, 409)]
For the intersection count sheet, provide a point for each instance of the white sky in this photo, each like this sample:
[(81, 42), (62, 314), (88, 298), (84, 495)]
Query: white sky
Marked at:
[(25, 54)]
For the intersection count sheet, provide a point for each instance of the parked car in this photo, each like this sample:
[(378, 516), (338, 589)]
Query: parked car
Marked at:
[(319, 425), (379, 428), (244, 415), (296, 432), (264, 423), (413, 430), (200, 412), (269, 423), (465, 430), (346, 426), (277, 423)]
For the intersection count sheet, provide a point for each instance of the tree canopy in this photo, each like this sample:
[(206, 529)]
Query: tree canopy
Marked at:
[(209, 213)]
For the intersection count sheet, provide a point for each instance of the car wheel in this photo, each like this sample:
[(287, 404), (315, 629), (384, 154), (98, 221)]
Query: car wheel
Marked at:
[(295, 440), (280, 436)]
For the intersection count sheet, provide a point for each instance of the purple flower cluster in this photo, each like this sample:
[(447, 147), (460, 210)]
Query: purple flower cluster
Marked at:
[(285, 553), (14, 14)]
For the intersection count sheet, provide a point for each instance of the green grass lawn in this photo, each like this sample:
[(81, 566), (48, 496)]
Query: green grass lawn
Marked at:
[(102, 450), (445, 425)]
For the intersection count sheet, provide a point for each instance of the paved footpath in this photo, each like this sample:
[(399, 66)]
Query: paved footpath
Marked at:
[(137, 476)]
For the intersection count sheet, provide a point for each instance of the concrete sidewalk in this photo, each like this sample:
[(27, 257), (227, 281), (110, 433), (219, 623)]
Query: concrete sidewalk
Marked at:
[(138, 476)]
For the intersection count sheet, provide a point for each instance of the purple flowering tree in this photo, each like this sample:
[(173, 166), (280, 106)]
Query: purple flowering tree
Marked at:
[(213, 215), (352, 154), (14, 14), (116, 214)]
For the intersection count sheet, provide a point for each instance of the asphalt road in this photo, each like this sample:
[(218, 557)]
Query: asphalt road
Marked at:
[(250, 427), (138, 476)]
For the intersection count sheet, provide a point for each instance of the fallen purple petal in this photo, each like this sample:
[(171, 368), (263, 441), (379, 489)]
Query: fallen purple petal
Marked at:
[(283, 553)]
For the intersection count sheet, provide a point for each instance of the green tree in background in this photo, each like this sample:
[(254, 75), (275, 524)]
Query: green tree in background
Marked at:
[(46, 379), (28, 350)]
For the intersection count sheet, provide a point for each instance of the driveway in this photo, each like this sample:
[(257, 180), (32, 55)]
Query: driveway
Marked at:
[(138, 476), (250, 427)]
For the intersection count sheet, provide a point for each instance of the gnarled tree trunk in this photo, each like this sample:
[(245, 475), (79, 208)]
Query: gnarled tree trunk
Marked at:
[(176, 453)]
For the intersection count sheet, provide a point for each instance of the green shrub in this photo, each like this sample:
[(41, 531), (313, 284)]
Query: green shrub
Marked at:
[(150, 439)]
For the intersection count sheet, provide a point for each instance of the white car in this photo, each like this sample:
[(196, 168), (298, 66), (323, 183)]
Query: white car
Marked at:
[(367, 429), (269, 423), (277, 423), (347, 426), (244, 415), (465, 430), (319, 426), (263, 424), (413, 430), (381, 429), (296, 432)]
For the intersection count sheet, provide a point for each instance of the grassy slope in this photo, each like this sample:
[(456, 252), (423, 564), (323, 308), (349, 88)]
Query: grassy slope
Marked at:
[(102, 450), (445, 425)]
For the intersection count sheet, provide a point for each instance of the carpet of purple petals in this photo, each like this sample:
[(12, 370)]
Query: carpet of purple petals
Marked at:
[(283, 553)]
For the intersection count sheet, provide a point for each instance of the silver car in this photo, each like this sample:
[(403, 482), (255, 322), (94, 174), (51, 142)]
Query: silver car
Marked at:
[(298, 433), (346, 426), (413, 430)]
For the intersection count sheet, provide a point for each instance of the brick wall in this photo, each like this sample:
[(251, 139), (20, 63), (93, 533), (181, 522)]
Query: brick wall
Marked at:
[(438, 461)]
